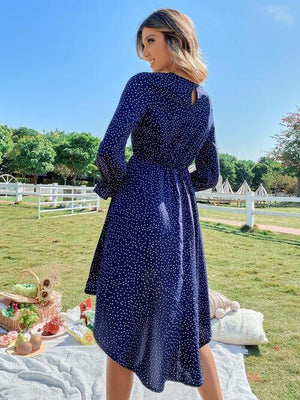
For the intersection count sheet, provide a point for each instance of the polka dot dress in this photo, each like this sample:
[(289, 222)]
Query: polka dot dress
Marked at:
[(148, 271)]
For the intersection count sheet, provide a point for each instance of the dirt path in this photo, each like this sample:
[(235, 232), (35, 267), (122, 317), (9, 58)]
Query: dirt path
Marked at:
[(273, 228)]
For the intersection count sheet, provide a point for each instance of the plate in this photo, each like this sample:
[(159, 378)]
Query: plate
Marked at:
[(10, 350), (34, 330)]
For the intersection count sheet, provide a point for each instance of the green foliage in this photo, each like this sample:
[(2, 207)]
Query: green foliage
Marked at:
[(56, 137), (23, 152), (243, 169), (23, 131), (76, 152), (91, 171), (287, 148), (33, 154), (6, 142), (128, 153), (63, 171), (276, 182), (227, 167)]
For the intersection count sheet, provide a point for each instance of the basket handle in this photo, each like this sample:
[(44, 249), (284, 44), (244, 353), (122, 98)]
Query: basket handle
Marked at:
[(38, 282)]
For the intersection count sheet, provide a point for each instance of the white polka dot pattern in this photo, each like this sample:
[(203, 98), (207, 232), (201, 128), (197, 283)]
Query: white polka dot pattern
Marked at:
[(149, 271)]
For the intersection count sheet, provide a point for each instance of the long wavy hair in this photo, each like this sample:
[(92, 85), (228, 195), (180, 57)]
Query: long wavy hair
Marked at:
[(180, 35)]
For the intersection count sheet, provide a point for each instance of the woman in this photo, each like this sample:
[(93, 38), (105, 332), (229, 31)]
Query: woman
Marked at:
[(152, 306)]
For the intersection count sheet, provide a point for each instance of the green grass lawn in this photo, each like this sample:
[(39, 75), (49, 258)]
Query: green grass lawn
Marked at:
[(289, 222), (259, 269), (259, 219)]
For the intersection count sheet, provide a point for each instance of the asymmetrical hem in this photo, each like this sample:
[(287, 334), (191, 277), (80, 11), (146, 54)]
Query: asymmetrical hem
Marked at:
[(153, 389)]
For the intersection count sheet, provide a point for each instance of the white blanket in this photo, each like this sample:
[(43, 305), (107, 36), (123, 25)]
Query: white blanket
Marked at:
[(69, 370)]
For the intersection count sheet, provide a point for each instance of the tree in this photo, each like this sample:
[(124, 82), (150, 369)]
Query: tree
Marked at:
[(6, 142), (264, 166), (91, 172), (76, 152), (243, 169), (23, 131), (227, 167), (56, 137), (287, 147), (63, 171), (276, 182), (33, 155)]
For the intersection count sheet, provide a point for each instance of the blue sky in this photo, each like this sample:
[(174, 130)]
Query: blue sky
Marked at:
[(64, 64)]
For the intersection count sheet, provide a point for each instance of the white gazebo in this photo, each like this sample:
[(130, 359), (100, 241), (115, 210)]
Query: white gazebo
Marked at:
[(244, 188), (261, 191), (227, 187), (219, 185)]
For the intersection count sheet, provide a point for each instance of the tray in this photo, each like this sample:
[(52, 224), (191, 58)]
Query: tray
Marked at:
[(10, 350), (34, 330)]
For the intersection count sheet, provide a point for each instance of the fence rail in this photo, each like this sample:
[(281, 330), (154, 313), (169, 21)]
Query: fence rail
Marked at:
[(74, 198), (250, 198), (82, 197)]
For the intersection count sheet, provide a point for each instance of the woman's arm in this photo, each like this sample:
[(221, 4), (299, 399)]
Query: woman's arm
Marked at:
[(206, 174), (110, 158)]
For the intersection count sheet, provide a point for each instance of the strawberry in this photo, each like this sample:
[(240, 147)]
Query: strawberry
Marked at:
[(46, 329), (53, 327)]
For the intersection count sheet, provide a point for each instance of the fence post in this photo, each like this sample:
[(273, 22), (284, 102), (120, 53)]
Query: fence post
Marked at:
[(72, 211), (39, 202), (250, 209), (54, 192), (83, 199), (19, 191)]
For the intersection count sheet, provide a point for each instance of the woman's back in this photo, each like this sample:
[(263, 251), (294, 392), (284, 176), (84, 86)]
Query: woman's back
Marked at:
[(149, 270), (172, 129), (165, 128)]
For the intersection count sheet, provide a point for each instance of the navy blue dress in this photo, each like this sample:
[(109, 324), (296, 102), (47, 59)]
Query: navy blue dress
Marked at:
[(148, 271)]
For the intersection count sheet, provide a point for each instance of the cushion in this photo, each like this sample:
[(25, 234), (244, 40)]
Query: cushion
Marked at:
[(243, 327), (217, 300)]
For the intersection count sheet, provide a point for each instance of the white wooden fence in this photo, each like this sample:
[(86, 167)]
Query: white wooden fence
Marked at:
[(73, 198), (250, 198), (78, 198)]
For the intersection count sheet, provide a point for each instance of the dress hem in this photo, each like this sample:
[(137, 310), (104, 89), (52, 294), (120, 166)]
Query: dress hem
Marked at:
[(133, 370)]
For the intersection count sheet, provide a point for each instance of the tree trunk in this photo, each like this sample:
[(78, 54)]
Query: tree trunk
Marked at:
[(65, 180), (35, 179), (74, 180), (298, 186)]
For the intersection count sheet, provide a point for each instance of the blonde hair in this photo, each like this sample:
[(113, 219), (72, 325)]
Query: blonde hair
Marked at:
[(180, 35)]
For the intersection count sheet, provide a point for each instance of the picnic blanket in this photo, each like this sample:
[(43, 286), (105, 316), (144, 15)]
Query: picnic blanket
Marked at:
[(69, 370)]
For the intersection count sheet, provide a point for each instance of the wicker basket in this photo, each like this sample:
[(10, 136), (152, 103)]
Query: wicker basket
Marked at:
[(46, 310)]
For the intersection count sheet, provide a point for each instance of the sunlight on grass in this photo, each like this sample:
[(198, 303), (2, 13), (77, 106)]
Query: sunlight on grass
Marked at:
[(259, 269)]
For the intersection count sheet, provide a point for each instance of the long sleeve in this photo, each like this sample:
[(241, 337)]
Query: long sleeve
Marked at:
[(110, 158), (206, 174)]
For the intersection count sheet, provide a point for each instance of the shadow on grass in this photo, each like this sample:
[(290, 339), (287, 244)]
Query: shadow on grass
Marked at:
[(244, 230), (253, 350), (254, 232)]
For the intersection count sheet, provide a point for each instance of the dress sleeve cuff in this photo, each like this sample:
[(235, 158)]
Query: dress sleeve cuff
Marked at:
[(103, 189)]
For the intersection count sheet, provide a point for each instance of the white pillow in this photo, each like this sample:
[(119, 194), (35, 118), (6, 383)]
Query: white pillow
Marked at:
[(243, 327)]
